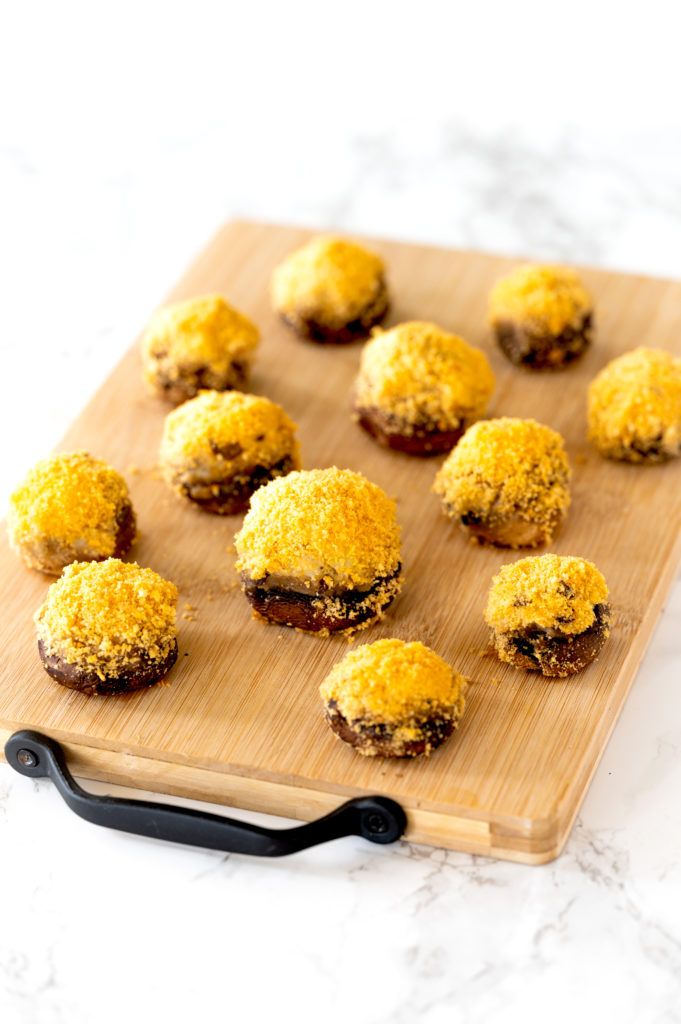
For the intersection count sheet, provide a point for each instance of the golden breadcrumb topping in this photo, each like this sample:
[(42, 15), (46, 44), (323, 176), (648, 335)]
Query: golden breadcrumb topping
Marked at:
[(329, 280), (394, 682), (507, 467), (549, 591), (71, 498), (545, 298), (105, 614), (637, 398), (377, 599), (196, 333), (228, 430), (320, 525), (420, 373)]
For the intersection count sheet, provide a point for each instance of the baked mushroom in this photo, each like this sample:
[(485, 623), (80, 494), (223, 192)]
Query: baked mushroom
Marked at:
[(195, 345), (542, 316), (548, 614), (220, 447), (320, 550), (70, 507), (331, 290), (635, 407), (108, 627), (507, 482), (393, 699), (419, 388)]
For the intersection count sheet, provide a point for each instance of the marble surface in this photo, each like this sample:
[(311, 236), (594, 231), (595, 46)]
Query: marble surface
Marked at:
[(129, 135)]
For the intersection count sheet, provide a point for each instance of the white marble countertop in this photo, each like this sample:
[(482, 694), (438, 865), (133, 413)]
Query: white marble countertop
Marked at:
[(126, 136)]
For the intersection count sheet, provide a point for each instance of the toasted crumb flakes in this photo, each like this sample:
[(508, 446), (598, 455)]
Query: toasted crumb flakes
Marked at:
[(321, 524), (546, 298), (506, 467), (69, 497), (393, 681), (329, 280), (549, 591), (636, 400), (105, 612), (220, 434), (423, 375), (195, 333)]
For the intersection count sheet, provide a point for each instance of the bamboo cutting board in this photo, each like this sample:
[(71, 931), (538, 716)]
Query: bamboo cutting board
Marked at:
[(239, 721)]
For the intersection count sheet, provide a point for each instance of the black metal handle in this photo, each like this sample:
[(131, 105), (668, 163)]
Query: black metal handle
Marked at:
[(376, 818)]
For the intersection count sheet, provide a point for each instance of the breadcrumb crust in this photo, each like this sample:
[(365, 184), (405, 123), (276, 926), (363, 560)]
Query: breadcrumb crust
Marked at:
[(423, 375), (394, 682), (330, 526), (504, 468), (634, 406), (68, 499), (103, 614), (545, 297), (549, 591), (329, 280)]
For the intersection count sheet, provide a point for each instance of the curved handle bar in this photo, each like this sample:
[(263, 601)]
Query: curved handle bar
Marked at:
[(376, 818)]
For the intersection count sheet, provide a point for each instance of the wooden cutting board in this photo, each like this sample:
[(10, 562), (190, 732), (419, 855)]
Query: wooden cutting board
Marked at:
[(239, 721)]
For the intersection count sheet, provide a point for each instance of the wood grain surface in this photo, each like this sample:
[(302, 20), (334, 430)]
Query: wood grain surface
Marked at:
[(239, 720)]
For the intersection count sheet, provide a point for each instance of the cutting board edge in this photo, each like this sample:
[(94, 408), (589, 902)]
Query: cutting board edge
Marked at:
[(503, 255), (573, 798), (522, 840)]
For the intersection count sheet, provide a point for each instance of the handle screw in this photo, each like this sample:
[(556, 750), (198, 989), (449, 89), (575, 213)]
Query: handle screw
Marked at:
[(376, 823), (27, 758)]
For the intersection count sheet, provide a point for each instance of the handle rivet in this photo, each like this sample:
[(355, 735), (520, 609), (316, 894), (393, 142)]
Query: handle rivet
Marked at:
[(376, 824), (27, 758)]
